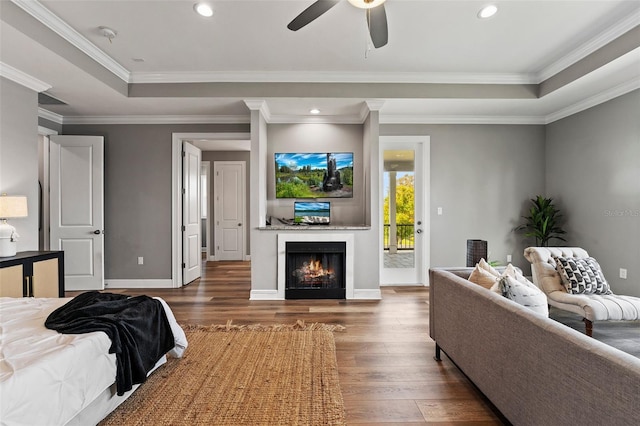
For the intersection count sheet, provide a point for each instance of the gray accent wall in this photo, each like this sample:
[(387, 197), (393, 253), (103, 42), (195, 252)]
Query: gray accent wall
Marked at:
[(593, 172), (138, 194), (482, 176), (295, 138), (245, 156), (19, 155)]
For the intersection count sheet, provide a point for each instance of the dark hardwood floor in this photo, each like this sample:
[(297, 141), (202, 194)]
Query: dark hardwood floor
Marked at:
[(385, 356)]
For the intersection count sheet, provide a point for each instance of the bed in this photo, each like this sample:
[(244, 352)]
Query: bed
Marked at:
[(47, 378)]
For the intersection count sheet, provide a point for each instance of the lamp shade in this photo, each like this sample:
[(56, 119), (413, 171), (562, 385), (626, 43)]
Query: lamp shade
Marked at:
[(13, 206)]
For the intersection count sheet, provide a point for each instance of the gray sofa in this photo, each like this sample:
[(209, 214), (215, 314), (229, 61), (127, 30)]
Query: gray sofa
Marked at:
[(534, 370)]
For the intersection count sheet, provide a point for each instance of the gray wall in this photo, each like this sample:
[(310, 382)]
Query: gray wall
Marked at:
[(245, 156), (19, 155), (593, 172), (49, 124), (483, 177), (138, 194), (318, 138)]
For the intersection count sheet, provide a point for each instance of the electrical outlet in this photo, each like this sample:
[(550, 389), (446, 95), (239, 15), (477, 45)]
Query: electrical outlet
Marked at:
[(623, 273), (508, 258), (439, 211), (140, 260)]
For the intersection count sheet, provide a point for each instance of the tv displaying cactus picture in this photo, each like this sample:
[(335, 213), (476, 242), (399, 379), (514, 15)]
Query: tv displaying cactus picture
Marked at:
[(314, 175)]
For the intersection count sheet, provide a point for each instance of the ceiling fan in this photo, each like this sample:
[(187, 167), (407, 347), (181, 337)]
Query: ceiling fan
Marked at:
[(376, 17)]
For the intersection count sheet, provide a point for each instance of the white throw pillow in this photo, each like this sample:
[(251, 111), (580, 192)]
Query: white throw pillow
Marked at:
[(524, 293), (485, 265)]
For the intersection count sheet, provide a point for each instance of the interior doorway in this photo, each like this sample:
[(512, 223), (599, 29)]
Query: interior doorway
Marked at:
[(206, 142)]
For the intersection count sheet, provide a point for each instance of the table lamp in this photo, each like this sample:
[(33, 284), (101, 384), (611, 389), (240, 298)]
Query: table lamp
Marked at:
[(10, 206)]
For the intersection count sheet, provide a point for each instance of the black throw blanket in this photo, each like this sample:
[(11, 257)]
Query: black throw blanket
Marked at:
[(137, 326)]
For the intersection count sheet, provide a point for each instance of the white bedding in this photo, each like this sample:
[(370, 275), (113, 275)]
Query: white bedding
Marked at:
[(47, 378)]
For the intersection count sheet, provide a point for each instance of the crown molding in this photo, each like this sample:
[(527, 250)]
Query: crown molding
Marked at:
[(604, 96), (157, 119), (316, 119), (587, 48), (259, 105), (330, 77), (57, 25), (51, 116), (22, 78), (460, 119), (374, 104)]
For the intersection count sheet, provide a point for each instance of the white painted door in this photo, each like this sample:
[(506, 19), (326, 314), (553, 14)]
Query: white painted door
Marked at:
[(77, 208), (405, 226), (229, 181), (191, 253)]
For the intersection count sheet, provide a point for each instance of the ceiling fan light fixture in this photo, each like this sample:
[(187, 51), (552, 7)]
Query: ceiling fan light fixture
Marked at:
[(203, 9), (366, 4), (488, 11)]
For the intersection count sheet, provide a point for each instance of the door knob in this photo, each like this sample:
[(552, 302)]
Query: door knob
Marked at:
[(97, 232), (239, 224), (419, 231)]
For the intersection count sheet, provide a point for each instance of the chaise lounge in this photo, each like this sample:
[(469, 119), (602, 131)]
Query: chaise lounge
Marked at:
[(604, 306)]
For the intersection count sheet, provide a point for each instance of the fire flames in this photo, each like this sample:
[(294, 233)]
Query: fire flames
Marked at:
[(314, 272)]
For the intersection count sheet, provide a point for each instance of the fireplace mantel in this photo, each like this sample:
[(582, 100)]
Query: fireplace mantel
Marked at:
[(284, 238), (314, 228)]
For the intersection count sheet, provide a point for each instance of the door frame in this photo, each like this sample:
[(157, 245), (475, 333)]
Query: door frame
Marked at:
[(243, 196), (386, 142), (43, 162), (206, 167), (176, 193)]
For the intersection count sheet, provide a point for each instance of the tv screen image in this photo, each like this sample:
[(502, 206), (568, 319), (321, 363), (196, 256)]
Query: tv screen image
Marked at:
[(312, 212), (314, 175)]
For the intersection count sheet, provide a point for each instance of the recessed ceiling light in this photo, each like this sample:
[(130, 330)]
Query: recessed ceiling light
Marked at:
[(203, 9), (314, 111), (488, 11)]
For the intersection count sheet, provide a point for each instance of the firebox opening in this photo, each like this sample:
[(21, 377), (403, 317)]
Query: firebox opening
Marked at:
[(315, 270)]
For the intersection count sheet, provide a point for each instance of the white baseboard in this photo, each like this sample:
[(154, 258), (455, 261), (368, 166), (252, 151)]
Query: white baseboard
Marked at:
[(403, 285), (247, 257), (264, 295), (109, 284), (367, 294)]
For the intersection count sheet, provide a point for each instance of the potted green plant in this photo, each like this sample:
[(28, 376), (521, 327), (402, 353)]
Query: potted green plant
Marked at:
[(542, 222)]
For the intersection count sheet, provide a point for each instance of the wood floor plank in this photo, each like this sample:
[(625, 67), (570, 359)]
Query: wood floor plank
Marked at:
[(385, 355)]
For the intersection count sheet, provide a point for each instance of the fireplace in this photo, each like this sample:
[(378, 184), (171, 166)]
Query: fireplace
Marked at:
[(315, 270)]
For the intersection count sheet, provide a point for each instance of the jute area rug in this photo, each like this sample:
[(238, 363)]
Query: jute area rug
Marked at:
[(243, 375)]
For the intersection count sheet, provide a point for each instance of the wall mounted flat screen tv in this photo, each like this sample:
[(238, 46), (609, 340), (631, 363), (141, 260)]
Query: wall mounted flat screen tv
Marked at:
[(312, 212), (314, 175)]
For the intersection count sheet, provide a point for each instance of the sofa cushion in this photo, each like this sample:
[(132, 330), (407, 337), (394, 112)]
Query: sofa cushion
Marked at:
[(582, 275), (524, 293), (483, 277)]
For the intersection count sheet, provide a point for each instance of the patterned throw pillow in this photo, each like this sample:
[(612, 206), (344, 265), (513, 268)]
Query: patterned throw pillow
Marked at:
[(525, 293), (582, 276)]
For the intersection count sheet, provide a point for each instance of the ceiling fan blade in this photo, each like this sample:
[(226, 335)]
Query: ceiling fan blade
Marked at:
[(377, 22), (311, 13)]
